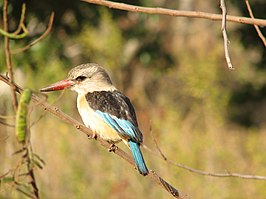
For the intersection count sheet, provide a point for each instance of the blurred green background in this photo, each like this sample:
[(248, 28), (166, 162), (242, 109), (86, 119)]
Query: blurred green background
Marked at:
[(173, 70)]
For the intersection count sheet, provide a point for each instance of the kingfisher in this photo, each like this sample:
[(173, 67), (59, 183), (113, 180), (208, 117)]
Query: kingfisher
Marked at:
[(105, 110)]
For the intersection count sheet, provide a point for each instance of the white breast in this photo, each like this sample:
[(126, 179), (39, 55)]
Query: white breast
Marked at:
[(95, 122)]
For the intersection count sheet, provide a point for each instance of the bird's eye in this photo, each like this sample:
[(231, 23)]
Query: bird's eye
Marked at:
[(80, 78)]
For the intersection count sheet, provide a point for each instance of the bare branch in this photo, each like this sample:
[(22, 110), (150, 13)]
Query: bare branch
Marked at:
[(7, 124), (31, 175), (16, 35), (5, 174), (200, 172), (25, 193), (7, 117), (157, 145), (22, 18), (226, 42), (228, 174), (8, 56), (44, 114), (57, 112), (47, 31), (177, 13), (256, 26)]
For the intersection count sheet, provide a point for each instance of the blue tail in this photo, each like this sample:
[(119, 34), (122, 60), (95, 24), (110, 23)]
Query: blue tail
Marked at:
[(137, 155)]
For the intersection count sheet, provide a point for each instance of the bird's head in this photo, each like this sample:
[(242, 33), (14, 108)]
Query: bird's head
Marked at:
[(83, 79)]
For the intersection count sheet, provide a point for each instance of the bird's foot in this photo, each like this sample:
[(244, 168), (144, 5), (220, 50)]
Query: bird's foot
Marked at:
[(93, 136), (112, 147)]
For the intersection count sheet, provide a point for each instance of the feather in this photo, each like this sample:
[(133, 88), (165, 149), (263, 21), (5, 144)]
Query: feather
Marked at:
[(137, 155), (123, 127)]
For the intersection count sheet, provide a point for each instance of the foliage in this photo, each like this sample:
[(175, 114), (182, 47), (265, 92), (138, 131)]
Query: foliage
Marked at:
[(174, 71)]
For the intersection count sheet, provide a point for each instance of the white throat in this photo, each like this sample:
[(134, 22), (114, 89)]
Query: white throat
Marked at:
[(83, 89)]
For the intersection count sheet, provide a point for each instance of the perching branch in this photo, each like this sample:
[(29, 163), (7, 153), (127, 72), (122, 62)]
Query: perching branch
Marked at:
[(256, 26), (64, 117), (226, 42), (177, 13)]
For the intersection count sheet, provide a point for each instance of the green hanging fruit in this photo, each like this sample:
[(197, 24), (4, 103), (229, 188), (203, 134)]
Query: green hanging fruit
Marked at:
[(21, 119)]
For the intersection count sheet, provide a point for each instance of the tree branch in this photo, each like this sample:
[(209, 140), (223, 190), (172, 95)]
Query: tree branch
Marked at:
[(256, 26), (46, 32), (57, 112), (16, 35), (226, 42), (197, 171), (177, 13), (22, 18), (8, 56)]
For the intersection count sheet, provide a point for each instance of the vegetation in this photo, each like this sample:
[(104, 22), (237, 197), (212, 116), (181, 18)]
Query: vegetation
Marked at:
[(173, 69)]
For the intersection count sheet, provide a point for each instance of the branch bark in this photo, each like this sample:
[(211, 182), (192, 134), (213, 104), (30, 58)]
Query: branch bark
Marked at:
[(45, 33), (8, 56), (177, 13), (21, 26), (64, 117), (197, 171), (201, 172), (226, 42), (256, 26)]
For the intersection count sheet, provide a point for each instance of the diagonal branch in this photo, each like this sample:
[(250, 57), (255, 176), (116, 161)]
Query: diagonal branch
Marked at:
[(177, 13), (46, 32), (64, 117), (201, 172), (256, 26)]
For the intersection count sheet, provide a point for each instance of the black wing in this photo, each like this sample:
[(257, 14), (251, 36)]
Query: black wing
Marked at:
[(117, 110)]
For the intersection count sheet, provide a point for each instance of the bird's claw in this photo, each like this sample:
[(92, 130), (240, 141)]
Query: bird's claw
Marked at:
[(93, 136), (112, 148)]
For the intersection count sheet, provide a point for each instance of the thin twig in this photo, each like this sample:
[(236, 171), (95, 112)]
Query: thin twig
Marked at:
[(4, 175), (6, 124), (6, 117), (43, 114), (200, 172), (228, 174), (21, 21), (3, 139), (157, 145), (47, 31), (31, 174), (64, 117), (25, 193), (8, 57), (16, 35), (226, 42), (256, 26), (176, 13)]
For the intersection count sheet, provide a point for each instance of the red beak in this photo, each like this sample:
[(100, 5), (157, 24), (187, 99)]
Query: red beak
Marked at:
[(58, 86)]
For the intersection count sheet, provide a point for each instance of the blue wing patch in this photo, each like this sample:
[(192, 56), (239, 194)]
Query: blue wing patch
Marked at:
[(123, 127)]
